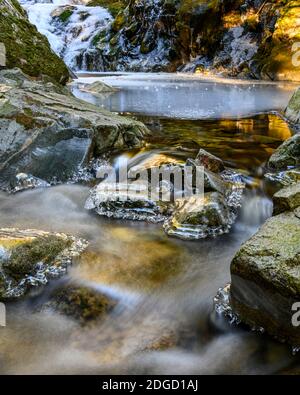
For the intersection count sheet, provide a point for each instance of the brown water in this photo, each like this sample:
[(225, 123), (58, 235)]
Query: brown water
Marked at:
[(163, 321)]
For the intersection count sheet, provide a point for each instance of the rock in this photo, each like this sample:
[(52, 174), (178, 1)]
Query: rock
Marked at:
[(288, 154), (292, 111), (81, 303), (287, 199), (29, 258), (284, 178), (265, 278), (26, 48), (99, 87), (121, 201), (209, 161), (199, 217), (48, 133)]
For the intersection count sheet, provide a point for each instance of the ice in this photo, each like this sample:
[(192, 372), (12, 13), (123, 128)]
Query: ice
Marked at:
[(186, 96)]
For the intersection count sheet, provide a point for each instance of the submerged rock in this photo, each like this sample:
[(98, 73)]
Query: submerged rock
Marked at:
[(287, 155), (287, 199), (265, 278), (79, 302), (48, 133), (29, 258), (197, 218)]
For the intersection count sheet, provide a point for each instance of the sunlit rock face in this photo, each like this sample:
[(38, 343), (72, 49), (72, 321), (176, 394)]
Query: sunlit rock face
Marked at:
[(47, 134), (292, 111), (30, 258)]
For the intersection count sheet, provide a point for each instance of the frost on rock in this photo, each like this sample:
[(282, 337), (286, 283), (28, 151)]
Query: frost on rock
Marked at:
[(30, 258)]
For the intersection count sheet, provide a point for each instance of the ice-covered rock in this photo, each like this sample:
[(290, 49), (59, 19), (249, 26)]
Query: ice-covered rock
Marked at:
[(30, 258)]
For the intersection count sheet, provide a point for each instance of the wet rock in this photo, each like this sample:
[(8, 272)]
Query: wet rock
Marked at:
[(287, 199), (48, 133), (27, 181), (122, 201), (209, 161), (284, 178), (292, 111), (29, 258), (199, 217), (265, 278), (288, 154), (25, 47), (80, 303)]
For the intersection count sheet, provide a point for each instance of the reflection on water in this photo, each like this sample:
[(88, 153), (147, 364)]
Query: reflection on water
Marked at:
[(164, 288), (245, 143), (186, 97)]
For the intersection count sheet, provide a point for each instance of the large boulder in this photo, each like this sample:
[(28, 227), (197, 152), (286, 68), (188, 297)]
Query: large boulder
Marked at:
[(46, 132), (25, 47), (265, 272), (288, 154), (29, 258)]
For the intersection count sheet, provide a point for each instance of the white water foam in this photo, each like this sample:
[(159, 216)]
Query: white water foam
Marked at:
[(72, 39)]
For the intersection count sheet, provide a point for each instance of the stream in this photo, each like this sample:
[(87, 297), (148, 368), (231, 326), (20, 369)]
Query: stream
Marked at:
[(164, 321)]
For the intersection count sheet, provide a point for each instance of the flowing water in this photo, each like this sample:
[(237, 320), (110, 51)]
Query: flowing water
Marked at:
[(164, 320), (71, 28)]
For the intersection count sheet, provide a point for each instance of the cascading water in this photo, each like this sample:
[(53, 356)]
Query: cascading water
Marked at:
[(71, 28)]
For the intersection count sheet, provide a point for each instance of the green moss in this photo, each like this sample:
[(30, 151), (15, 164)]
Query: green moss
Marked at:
[(65, 15), (27, 49), (25, 256), (113, 6), (80, 303)]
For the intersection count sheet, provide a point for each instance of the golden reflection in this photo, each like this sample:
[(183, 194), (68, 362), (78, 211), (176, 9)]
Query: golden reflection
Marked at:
[(132, 259)]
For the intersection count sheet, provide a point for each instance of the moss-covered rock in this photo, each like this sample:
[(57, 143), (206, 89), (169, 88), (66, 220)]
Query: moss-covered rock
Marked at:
[(288, 154), (80, 303), (114, 6), (292, 111), (29, 258), (199, 217), (26, 48), (287, 199), (265, 278)]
